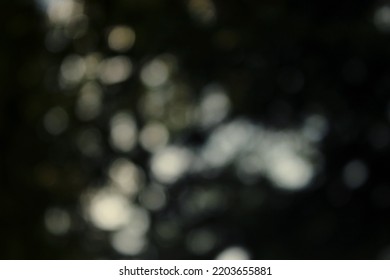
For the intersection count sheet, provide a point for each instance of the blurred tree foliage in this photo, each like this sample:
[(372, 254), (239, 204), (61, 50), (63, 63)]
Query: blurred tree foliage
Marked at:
[(280, 63)]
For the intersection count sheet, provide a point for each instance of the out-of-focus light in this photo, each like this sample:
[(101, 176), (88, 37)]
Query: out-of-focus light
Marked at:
[(92, 61), (201, 241), (382, 18), (283, 157), (225, 142), (57, 221), (170, 163), (67, 21), (139, 221), (315, 128), (152, 105), (126, 175), (153, 198), (121, 38), (127, 242), (233, 253), (89, 103), (214, 105), (123, 132), (109, 210), (42, 4), (89, 142), (115, 70), (77, 27), (171, 104), (288, 170), (180, 113), (56, 121), (249, 166), (59, 11), (203, 11), (154, 136), (355, 174), (156, 72), (131, 239), (72, 70)]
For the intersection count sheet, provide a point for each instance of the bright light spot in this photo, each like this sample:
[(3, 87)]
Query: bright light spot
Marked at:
[(283, 157), (56, 121), (109, 210), (249, 167), (121, 38), (123, 132), (154, 136), (115, 70), (170, 163), (201, 241), (57, 221), (171, 104), (355, 174), (155, 73), (202, 11), (233, 253), (382, 18), (89, 103), (72, 70), (126, 175), (153, 198), (59, 11), (214, 106), (225, 143), (288, 170), (126, 242), (89, 142), (131, 239), (315, 128)]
